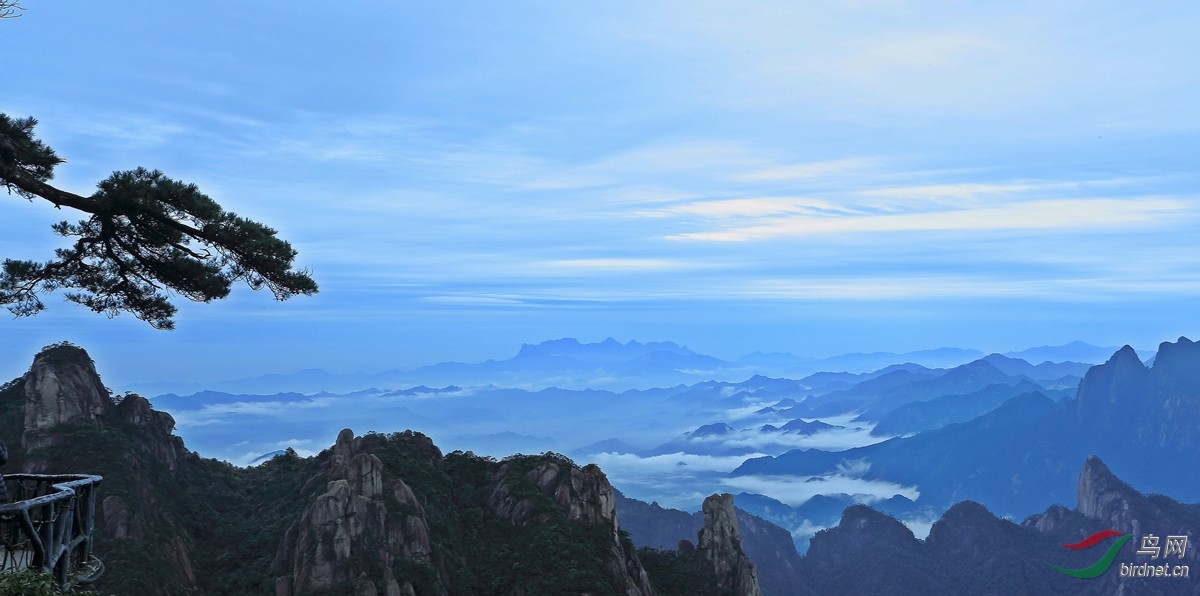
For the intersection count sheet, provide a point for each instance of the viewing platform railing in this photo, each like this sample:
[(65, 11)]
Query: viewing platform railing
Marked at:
[(47, 526)]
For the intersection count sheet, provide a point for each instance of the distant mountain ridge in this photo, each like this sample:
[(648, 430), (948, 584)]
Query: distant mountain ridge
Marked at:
[(609, 350), (610, 364)]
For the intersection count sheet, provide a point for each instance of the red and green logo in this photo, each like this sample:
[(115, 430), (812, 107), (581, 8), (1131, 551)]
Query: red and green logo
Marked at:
[(1099, 567)]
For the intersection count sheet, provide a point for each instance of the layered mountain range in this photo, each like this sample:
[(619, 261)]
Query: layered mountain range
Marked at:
[(570, 364), (1144, 421), (704, 430), (389, 513)]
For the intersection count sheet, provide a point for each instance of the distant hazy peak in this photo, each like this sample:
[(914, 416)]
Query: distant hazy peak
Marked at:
[(980, 366), (569, 346), (710, 430), (1075, 351), (1126, 354)]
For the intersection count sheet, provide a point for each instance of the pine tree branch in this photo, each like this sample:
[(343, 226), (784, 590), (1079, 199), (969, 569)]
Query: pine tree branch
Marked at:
[(145, 233)]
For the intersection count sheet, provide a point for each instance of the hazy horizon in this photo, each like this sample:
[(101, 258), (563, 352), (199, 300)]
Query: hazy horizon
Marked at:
[(17, 367)]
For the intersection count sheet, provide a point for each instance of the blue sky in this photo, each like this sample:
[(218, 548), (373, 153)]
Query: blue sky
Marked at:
[(463, 178)]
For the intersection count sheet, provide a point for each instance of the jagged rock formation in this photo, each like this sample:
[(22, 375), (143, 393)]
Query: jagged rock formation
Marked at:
[(345, 538), (1106, 502), (69, 423), (372, 533), (1156, 406), (61, 388), (587, 498), (720, 544), (1112, 392)]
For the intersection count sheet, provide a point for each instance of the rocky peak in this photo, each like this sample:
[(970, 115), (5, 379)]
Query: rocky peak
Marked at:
[(346, 537), (1154, 408), (720, 544), (1118, 506), (715, 429), (1099, 489), (974, 369), (157, 427), (1111, 388), (1105, 502), (61, 387), (1178, 357), (583, 493), (1177, 398), (1104, 497)]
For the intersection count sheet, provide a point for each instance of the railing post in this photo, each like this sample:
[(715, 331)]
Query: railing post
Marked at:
[(90, 524)]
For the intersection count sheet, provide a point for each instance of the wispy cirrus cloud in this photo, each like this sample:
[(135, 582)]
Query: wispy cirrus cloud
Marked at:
[(751, 207), (811, 170), (1050, 214), (918, 287)]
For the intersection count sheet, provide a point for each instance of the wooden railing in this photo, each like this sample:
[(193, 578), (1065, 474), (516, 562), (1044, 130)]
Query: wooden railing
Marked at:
[(47, 526)]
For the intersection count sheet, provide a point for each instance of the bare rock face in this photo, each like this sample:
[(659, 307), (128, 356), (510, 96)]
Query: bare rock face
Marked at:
[(135, 410), (1055, 517), (61, 388), (586, 496), (346, 538), (1104, 497), (119, 520), (721, 545), (1101, 495)]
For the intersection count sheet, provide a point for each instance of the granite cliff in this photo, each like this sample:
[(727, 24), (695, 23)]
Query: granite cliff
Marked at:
[(720, 544), (525, 525)]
